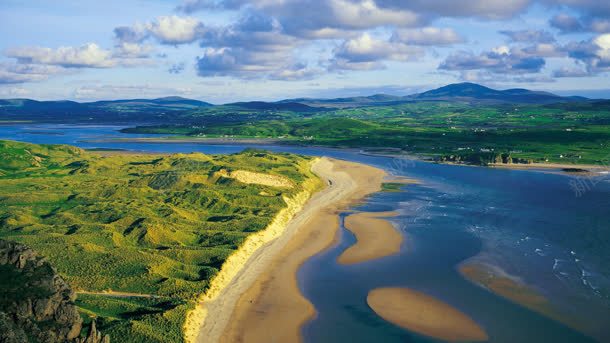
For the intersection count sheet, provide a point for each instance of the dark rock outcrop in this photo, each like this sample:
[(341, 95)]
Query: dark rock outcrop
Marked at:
[(94, 336), (36, 304)]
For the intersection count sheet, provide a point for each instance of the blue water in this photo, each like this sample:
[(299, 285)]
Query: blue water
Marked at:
[(530, 224)]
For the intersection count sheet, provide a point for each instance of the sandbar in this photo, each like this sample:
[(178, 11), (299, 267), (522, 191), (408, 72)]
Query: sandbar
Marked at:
[(426, 315), (376, 237)]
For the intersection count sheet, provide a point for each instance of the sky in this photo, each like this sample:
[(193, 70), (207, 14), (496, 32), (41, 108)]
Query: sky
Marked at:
[(237, 50)]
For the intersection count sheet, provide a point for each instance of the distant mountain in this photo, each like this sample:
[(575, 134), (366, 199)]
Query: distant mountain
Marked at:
[(142, 110), (358, 101), (174, 109), (275, 106), (467, 91), (170, 101)]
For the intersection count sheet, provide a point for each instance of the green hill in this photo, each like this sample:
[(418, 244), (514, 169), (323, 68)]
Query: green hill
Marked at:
[(157, 225)]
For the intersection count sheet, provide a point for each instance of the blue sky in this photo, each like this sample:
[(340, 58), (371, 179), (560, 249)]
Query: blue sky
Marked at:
[(233, 50)]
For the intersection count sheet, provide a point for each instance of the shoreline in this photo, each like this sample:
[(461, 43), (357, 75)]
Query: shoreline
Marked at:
[(266, 293), (382, 152), (236, 271)]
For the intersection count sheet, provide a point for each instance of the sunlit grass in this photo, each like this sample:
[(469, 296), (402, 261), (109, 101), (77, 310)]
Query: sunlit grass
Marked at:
[(150, 224)]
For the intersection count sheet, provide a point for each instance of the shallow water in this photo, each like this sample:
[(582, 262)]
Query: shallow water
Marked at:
[(531, 224)]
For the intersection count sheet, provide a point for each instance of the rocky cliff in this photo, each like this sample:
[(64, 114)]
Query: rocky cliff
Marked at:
[(36, 304)]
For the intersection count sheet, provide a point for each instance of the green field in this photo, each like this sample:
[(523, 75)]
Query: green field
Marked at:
[(160, 226), (453, 131)]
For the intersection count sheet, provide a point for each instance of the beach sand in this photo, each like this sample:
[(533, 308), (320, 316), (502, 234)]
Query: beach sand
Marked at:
[(263, 303), (376, 237), (424, 314)]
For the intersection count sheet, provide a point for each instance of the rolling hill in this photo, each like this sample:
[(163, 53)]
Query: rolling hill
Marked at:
[(116, 111), (474, 92), (461, 92)]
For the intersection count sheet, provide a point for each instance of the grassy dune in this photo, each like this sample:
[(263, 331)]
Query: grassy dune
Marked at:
[(154, 225)]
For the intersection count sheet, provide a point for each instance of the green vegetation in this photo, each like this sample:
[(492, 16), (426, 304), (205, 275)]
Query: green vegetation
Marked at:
[(391, 186), (516, 137), (157, 225)]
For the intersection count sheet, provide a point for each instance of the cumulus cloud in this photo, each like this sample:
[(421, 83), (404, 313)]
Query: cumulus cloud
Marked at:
[(171, 30), (366, 52), (594, 54), (427, 36), (254, 47), (318, 19), (566, 23), (21, 73), (86, 56), (529, 36), (175, 30), (501, 61), (133, 50), (39, 63), (488, 9)]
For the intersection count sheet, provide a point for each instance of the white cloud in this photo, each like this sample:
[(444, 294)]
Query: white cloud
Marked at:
[(86, 56), (175, 30), (21, 73), (603, 41), (366, 52), (133, 50), (501, 50), (367, 14), (171, 30)]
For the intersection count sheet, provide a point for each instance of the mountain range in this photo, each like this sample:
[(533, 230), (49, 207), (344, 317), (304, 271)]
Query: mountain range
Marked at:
[(171, 108), (465, 92)]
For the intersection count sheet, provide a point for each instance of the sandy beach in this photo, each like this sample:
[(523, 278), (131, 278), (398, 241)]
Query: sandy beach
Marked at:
[(265, 294), (376, 237), (424, 314)]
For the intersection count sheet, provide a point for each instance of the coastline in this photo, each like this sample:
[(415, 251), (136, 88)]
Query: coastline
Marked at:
[(236, 269), (265, 293), (381, 152)]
